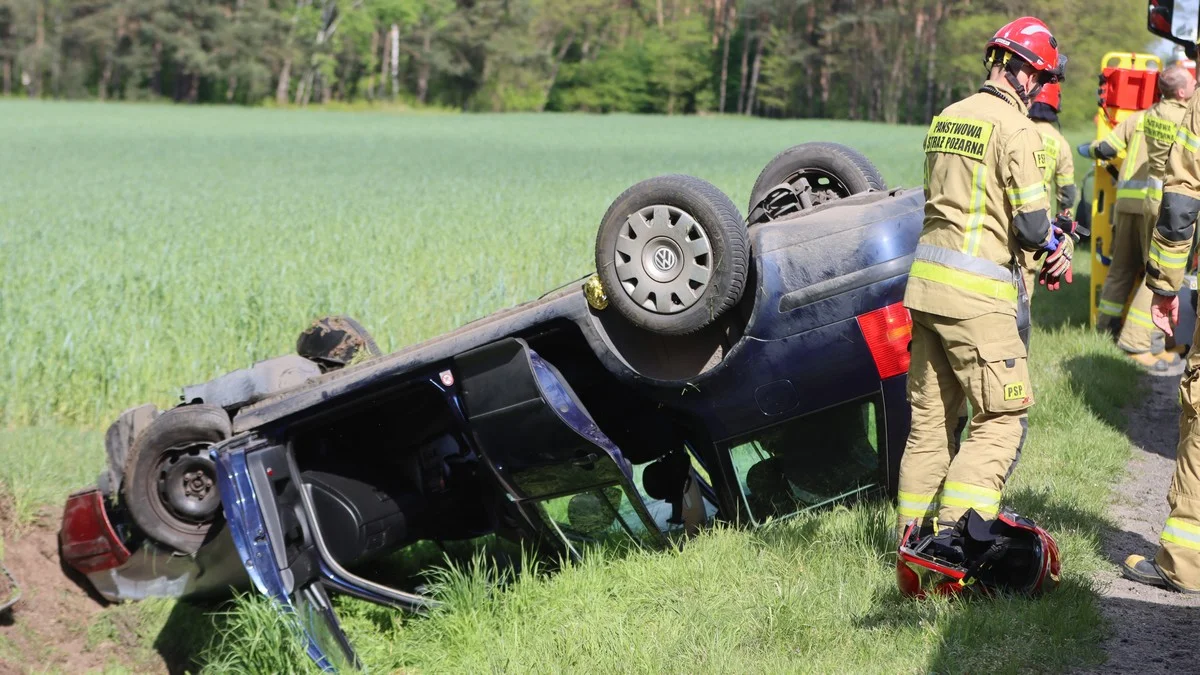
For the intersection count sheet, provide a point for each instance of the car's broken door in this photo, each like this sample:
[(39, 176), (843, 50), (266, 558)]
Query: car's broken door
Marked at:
[(273, 521), (552, 458)]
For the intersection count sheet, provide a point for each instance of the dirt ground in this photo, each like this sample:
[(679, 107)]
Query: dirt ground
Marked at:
[(48, 627), (1155, 629)]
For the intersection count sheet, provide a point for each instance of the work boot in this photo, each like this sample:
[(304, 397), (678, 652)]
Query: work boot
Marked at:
[(1110, 325), (1143, 571), (1163, 363)]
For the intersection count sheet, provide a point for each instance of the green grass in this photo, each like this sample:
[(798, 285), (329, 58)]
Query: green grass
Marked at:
[(147, 247)]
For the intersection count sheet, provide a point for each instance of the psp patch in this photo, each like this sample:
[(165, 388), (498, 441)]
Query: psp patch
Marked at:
[(1040, 159), (959, 136), (1014, 391)]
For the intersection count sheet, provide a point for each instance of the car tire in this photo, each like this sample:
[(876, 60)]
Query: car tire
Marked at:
[(170, 482), (334, 342), (692, 254), (833, 171)]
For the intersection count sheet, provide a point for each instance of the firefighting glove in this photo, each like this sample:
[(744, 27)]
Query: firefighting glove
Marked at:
[(1058, 260), (1067, 224), (1085, 150)]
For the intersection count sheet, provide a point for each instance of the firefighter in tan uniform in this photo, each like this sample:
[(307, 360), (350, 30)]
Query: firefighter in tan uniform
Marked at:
[(1128, 214), (1177, 562), (1058, 165), (985, 201), (1154, 132)]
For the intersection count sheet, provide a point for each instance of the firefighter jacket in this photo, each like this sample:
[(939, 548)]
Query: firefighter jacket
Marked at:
[(1132, 181), (1161, 126), (1058, 165), (1172, 237), (984, 200)]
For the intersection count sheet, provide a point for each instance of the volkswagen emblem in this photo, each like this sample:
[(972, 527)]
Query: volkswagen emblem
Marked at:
[(664, 259)]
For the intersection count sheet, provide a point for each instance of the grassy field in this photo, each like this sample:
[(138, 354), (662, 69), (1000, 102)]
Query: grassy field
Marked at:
[(146, 247)]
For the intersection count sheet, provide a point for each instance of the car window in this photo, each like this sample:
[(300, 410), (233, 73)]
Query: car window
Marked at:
[(600, 516), (662, 510), (809, 461)]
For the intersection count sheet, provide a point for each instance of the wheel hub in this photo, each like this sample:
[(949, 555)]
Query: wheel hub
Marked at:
[(663, 259), (187, 483)]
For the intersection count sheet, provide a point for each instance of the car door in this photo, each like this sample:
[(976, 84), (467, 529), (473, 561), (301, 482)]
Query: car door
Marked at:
[(557, 465), (273, 523)]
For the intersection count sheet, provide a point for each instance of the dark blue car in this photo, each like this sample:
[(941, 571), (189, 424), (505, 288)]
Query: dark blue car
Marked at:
[(712, 368)]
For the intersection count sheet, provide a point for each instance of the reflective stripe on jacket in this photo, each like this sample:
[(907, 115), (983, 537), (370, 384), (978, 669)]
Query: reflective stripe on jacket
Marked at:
[(1132, 182), (985, 200), (1161, 128), (1058, 165), (1171, 241)]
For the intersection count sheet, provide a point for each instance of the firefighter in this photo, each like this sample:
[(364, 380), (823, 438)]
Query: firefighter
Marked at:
[(985, 201), (1176, 565), (1058, 165), (1148, 136)]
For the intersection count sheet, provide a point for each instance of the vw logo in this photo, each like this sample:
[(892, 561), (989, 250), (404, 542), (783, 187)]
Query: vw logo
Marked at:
[(664, 259)]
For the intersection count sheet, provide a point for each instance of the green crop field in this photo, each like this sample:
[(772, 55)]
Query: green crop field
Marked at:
[(148, 247)]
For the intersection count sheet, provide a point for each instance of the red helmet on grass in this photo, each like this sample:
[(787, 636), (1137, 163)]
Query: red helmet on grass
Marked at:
[(1009, 553)]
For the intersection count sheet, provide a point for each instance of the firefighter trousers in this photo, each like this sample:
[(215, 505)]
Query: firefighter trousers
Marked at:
[(1127, 267), (1179, 546), (1138, 334), (954, 361)]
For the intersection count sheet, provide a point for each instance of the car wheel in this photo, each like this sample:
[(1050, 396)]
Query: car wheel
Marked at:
[(672, 254), (170, 483), (809, 174), (334, 342)]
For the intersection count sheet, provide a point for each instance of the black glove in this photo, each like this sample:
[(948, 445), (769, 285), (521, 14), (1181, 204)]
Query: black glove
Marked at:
[(1067, 224)]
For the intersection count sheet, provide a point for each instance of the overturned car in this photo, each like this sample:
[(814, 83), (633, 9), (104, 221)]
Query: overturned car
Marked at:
[(712, 368)]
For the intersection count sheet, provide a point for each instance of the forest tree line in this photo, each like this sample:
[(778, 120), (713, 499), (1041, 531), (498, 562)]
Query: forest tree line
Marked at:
[(883, 60)]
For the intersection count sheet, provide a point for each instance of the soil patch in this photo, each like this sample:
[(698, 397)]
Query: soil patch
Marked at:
[(1154, 629), (47, 629)]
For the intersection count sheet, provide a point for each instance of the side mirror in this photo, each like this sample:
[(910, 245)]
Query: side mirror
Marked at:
[(1177, 21)]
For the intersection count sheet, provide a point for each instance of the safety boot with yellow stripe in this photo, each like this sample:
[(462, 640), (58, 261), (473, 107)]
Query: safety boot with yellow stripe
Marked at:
[(1138, 568), (1163, 364)]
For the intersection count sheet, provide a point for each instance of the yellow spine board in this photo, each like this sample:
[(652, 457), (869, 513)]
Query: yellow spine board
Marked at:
[(1104, 186)]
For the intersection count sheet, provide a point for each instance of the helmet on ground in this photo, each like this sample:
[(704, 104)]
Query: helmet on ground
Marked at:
[(1028, 39), (1009, 553)]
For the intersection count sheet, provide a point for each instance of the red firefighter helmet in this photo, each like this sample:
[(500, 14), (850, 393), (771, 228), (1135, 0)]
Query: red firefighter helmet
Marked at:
[(1009, 553), (1051, 95), (1030, 40)]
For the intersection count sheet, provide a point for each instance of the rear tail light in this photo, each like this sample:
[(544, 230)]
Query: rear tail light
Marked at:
[(888, 331), (89, 543)]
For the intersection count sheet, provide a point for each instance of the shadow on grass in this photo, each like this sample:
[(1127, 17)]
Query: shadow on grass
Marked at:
[(1065, 307), (189, 629), (1101, 381)]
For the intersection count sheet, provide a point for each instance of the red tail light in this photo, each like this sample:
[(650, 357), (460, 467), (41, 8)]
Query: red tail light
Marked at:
[(888, 331), (89, 543)]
